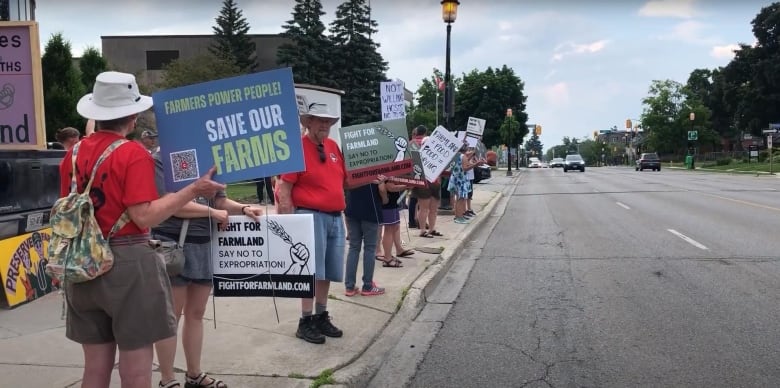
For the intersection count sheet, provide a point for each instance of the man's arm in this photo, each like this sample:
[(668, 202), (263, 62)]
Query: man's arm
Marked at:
[(284, 191)]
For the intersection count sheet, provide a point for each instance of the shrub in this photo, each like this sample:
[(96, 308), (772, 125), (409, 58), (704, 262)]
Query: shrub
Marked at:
[(723, 162)]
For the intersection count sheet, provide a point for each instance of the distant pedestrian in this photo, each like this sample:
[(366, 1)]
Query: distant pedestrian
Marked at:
[(265, 185)]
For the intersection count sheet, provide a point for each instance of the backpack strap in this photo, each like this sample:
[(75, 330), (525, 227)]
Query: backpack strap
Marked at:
[(75, 152), (124, 218)]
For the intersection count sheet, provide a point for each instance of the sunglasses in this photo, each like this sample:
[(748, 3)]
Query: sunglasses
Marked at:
[(321, 152)]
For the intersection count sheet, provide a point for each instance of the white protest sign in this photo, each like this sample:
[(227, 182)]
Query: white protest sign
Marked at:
[(475, 126), (273, 257), (438, 152), (393, 103)]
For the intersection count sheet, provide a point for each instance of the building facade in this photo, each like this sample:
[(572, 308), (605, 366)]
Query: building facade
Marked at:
[(146, 56)]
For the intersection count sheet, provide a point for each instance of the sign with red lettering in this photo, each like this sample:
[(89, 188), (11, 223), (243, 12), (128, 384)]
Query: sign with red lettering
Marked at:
[(21, 90)]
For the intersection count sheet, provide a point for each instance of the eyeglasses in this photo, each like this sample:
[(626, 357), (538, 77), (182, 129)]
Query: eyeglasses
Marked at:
[(321, 152)]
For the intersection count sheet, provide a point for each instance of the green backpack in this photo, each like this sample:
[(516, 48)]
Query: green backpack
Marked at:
[(78, 252)]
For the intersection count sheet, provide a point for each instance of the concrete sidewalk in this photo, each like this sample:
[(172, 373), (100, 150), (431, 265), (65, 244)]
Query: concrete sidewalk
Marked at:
[(248, 347)]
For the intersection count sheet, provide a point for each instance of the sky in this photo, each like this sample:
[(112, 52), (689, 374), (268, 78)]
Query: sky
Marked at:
[(586, 64)]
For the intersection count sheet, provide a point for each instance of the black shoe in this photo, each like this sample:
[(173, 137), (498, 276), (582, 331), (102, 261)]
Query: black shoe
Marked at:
[(308, 331), (325, 327)]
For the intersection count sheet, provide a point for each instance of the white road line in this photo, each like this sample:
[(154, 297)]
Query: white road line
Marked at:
[(624, 206), (687, 239)]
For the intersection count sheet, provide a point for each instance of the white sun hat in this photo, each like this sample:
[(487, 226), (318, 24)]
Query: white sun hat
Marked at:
[(321, 110), (115, 95)]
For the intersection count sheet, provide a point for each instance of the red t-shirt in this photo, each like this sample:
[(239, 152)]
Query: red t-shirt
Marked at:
[(124, 179), (321, 186)]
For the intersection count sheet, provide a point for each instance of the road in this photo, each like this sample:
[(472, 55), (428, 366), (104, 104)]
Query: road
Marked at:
[(617, 278)]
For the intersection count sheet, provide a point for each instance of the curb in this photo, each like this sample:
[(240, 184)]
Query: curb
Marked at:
[(368, 362)]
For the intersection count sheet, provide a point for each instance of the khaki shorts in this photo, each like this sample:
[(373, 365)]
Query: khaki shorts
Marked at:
[(131, 304)]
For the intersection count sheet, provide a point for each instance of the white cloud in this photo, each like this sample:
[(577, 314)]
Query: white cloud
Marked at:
[(668, 8), (724, 52), (691, 31), (557, 93), (569, 48)]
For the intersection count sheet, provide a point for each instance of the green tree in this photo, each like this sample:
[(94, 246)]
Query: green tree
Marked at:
[(201, 68), (309, 51), (358, 65), (231, 42), (91, 64), (487, 95), (534, 147), (62, 87)]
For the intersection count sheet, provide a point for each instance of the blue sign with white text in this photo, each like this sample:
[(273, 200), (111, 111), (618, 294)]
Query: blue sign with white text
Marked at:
[(246, 126)]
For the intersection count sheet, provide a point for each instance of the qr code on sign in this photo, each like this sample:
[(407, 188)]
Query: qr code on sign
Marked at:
[(184, 165)]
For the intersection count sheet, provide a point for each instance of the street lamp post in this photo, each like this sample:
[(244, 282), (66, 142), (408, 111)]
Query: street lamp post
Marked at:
[(509, 142), (449, 12)]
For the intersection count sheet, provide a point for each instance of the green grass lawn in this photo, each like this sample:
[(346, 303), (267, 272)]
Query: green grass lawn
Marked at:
[(243, 192), (739, 167)]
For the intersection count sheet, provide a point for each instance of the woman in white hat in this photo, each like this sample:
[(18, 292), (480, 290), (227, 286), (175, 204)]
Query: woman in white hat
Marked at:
[(129, 307)]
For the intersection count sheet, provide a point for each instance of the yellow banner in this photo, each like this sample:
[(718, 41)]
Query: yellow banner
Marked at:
[(22, 267)]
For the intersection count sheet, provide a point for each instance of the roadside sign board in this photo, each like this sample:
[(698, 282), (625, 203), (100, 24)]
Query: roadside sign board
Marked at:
[(769, 141), (693, 135)]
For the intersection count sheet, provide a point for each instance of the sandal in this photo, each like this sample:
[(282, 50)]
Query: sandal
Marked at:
[(380, 257), (203, 380), (406, 253), (171, 384), (435, 233), (426, 235), (392, 263)]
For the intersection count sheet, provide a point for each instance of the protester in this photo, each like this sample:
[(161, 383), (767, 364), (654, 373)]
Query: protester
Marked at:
[(68, 137), (433, 205), (417, 136), (469, 213), (318, 191), (266, 184), (149, 140), (391, 225), (192, 287), (363, 215), (129, 307), (458, 184)]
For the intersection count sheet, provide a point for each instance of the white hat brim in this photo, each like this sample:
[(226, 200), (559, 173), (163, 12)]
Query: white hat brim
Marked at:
[(333, 119), (89, 110)]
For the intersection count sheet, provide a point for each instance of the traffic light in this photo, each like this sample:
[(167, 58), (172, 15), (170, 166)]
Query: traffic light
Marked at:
[(628, 123), (538, 130)]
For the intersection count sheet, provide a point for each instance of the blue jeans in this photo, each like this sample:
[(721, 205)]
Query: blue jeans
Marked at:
[(366, 233)]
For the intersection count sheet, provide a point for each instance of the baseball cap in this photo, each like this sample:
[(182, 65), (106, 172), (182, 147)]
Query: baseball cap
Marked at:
[(148, 133)]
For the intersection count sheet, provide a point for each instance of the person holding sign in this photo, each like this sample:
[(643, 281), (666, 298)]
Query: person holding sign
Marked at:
[(459, 185), (319, 191), (128, 307), (191, 288)]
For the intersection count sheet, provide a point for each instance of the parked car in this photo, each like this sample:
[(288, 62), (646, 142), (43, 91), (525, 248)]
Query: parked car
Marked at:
[(481, 172), (648, 160), (557, 162), (574, 162)]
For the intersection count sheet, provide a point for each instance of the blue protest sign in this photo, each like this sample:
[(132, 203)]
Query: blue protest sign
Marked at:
[(246, 126)]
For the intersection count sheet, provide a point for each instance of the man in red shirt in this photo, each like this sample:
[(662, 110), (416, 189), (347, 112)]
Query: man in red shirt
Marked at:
[(318, 191)]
